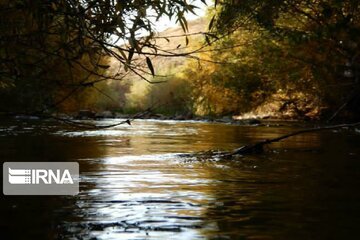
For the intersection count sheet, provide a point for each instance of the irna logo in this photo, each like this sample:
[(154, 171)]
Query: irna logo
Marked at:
[(37, 176), (40, 178)]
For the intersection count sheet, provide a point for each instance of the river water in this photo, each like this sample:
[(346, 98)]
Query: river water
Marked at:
[(137, 184)]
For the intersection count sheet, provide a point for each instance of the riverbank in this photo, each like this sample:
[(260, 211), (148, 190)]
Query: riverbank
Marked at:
[(87, 115), (248, 120)]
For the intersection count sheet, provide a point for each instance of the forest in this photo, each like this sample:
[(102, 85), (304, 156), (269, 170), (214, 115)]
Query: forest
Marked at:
[(264, 59), (180, 119)]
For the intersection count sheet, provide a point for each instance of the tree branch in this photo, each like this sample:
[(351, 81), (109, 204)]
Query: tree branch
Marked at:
[(258, 147)]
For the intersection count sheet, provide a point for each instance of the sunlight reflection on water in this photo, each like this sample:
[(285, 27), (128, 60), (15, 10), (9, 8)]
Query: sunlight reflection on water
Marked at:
[(149, 192), (139, 182)]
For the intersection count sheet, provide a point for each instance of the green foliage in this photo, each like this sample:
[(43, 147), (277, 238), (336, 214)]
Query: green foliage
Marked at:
[(228, 82), (50, 51), (298, 57), (172, 97), (306, 46), (60, 54)]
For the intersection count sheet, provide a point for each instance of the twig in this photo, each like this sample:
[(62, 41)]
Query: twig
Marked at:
[(341, 108), (258, 147), (94, 126)]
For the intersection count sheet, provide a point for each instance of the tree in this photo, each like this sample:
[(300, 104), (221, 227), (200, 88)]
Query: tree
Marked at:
[(50, 50), (320, 36)]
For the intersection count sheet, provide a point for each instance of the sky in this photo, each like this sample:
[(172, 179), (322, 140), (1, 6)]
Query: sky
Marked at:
[(165, 23)]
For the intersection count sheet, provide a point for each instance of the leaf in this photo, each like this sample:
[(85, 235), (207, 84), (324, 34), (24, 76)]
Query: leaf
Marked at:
[(132, 40), (182, 25), (122, 54), (150, 66), (187, 40), (204, 2), (191, 8), (185, 23), (178, 46), (134, 44), (121, 25), (103, 66), (207, 40), (131, 54), (211, 22), (212, 35), (168, 40)]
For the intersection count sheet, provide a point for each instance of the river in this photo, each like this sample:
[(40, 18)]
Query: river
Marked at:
[(137, 184)]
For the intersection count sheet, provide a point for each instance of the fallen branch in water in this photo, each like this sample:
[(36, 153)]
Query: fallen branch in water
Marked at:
[(259, 146), (94, 126), (81, 124)]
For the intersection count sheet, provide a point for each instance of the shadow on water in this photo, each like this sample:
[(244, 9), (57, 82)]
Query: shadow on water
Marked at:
[(307, 191), (137, 184)]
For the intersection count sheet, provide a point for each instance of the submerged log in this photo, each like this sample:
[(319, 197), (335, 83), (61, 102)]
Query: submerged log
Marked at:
[(258, 147)]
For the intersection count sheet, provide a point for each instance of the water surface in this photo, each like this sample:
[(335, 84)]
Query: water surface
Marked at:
[(137, 184)]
